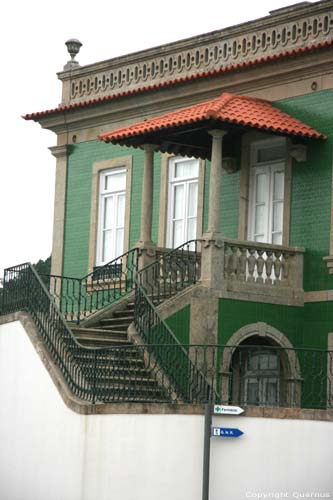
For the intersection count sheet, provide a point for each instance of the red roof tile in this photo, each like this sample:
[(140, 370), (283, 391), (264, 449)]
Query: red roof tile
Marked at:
[(180, 80), (228, 108)]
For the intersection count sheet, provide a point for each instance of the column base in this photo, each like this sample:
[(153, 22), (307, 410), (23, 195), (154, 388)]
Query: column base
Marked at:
[(212, 260)]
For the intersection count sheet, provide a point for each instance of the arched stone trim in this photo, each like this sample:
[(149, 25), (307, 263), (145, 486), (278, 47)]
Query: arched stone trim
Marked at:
[(290, 362)]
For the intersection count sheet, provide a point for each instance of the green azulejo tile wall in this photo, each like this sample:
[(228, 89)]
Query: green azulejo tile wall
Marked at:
[(306, 326), (235, 314), (311, 187), (180, 324), (78, 200)]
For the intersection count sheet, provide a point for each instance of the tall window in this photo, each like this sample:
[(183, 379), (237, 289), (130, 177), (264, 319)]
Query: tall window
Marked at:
[(257, 377), (183, 201), (111, 215), (266, 195), (261, 378)]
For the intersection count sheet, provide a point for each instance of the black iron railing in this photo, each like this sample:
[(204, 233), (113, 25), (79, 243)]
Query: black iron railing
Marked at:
[(171, 272), (118, 374), (186, 377), (78, 298), (166, 371)]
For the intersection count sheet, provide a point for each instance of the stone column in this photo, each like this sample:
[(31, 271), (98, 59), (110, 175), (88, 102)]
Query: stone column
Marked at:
[(215, 181), (147, 195), (145, 243), (212, 253)]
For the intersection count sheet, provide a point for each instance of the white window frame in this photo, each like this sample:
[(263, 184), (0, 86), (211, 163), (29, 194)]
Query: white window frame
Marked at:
[(271, 167), (122, 162), (103, 194), (172, 183)]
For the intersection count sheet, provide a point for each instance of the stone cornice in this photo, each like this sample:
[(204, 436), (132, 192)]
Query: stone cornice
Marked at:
[(285, 29), (121, 112), (60, 151)]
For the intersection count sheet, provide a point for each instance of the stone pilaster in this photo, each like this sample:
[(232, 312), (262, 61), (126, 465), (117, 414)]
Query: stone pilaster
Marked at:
[(61, 155)]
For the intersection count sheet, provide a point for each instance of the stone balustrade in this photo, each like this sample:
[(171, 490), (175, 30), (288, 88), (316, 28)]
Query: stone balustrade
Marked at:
[(283, 30), (247, 269), (263, 264)]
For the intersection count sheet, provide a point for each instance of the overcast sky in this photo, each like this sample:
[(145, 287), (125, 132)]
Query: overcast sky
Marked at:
[(32, 40)]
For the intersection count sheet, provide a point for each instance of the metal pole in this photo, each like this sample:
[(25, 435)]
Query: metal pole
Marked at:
[(206, 451)]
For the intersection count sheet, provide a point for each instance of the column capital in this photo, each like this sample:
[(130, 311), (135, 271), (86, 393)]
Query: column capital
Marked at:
[(217, 132), (150, 147), (60, 151)]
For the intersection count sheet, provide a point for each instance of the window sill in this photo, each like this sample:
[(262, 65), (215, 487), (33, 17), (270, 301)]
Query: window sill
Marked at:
[(329, 263)]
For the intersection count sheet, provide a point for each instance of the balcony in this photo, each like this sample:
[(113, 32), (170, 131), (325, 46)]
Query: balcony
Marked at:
[(253, 271)]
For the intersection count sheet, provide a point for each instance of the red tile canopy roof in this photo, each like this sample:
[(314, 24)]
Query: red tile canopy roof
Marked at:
[(226, 111)]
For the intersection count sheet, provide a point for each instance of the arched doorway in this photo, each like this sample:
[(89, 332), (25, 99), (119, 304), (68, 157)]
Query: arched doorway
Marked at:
[(260, 368)]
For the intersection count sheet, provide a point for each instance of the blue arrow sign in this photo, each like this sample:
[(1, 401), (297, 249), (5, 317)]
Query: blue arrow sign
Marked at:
[(226, 432)]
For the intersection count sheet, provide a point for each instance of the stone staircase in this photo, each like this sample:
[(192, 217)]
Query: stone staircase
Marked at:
[(126, 373)]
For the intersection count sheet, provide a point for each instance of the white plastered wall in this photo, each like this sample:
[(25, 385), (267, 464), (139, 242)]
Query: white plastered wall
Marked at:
[(49, 452)]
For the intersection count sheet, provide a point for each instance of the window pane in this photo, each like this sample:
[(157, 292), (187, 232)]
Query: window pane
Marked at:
[(178, 202), (277, 238), (261, 188), (273, 361), (108, 212), (177, 237), (271, 393), (191, 229), (278, 185), (121, 210), (115, 182), (187, 168), (253, 361), (107, 246), (272, 153), (263, 361), (259, 224), (193, 199), (252, 392), (119, 242), (277, 216)]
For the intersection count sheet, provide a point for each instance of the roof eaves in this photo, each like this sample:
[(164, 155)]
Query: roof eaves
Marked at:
[(180, 80)]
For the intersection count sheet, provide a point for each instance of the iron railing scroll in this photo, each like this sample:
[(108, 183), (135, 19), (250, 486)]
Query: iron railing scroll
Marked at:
[(78, 298)]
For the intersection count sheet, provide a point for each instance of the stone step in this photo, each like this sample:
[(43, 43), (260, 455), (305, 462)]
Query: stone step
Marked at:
[(127, 313), (116, 322), (135, 397), (99, 333), (114, 381), (130, 360), (103, 342)]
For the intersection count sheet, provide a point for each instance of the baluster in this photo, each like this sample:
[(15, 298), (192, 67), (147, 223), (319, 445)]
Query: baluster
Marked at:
[(251, 264), (226, 262), (277, 267), (233, 262), (260, 266), (242, 260), (269, 267), (285, 269)]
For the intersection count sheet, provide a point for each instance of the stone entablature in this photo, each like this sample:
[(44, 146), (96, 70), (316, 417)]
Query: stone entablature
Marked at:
[(284, 30)]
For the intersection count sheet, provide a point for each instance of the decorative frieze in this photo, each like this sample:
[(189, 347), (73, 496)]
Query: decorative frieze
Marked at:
[(203, 53)]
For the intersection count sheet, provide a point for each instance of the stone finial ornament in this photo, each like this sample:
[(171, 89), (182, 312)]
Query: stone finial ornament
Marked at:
[(73, 47)]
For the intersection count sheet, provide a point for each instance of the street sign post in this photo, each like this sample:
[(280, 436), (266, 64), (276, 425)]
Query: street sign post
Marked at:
[(227, 410), (226, 432)]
